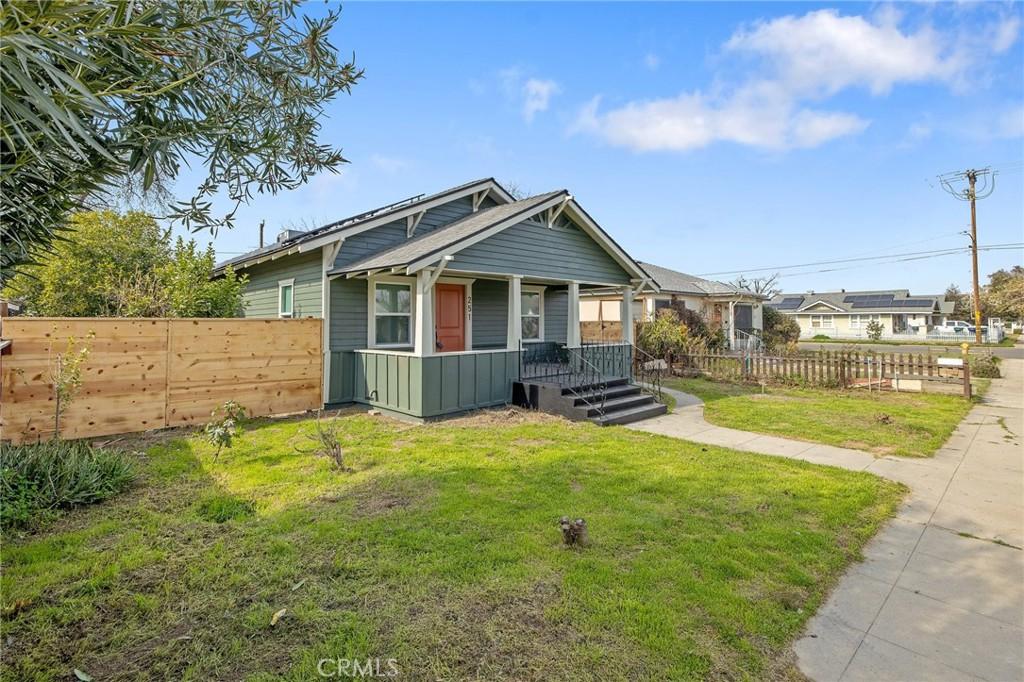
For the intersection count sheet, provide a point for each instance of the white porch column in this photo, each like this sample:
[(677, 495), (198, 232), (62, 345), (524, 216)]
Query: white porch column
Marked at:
[(515, 312), (572, 336), (423, 342), (627, 314), (732, 325)]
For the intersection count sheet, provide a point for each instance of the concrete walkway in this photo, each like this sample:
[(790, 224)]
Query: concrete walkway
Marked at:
[(940, 593)]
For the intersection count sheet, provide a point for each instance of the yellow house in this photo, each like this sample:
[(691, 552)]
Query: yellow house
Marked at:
[(848, 314)]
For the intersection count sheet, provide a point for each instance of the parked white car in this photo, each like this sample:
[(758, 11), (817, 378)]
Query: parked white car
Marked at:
[(954, 327)]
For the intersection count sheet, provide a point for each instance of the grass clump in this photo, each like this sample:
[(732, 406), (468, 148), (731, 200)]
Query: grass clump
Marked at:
[(221, 508), (39, 481)]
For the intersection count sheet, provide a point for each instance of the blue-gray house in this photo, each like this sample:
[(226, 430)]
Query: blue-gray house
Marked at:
[(454, 301)]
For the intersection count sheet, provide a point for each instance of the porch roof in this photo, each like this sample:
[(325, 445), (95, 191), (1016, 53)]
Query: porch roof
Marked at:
[(445, 240)]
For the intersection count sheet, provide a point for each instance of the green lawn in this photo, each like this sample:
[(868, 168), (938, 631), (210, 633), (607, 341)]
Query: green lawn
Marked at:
[(907, 424), (440, 549)]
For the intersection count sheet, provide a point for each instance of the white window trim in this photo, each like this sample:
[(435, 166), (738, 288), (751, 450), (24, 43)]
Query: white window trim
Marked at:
[(281, 284), (821, 321), (865, 318), (371, 310), (534, 289)]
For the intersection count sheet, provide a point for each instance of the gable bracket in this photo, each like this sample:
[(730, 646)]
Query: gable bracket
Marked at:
[(478, 198), (556, 211), (412, 222)]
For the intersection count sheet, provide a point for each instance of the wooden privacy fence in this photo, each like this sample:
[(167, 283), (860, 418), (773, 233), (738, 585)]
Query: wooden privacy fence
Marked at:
[(842, 369), (151, 373)]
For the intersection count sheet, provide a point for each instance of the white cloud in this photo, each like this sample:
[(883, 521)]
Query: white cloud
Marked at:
[(825, 52), (755, 116), (796, 62), (389, 164), (652, 61), (533, 94), (537, 96), (1011, 123)]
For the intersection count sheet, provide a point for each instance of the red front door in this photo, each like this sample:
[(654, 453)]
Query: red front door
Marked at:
[(450, 317)]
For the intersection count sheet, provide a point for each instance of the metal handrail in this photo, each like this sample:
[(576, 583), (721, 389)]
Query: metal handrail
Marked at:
[(644, 374), (566, 367)]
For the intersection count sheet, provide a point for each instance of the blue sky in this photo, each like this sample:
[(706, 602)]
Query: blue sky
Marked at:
[(703, 137)]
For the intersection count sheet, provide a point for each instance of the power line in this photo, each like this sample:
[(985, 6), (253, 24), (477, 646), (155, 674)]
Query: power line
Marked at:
[(902, 260), (848, 260)]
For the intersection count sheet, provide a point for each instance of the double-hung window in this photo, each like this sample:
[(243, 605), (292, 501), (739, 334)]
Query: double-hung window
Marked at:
[(532, 314), (286, 298), (392, 311), (821, 321), (858, 321)]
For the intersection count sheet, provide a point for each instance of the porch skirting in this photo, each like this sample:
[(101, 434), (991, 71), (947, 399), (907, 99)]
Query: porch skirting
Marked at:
[(423, 387)]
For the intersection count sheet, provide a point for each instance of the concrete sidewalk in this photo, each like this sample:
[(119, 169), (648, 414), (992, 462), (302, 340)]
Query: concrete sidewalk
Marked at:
[(940, 593)]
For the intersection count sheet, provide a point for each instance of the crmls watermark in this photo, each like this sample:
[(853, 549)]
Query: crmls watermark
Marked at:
[(356, 667)]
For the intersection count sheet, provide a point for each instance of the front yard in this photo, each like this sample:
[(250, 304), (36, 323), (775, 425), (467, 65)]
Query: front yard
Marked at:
[(888, 423), (439, 549)]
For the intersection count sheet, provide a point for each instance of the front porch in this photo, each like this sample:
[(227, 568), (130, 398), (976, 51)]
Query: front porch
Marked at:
[(442, 343)]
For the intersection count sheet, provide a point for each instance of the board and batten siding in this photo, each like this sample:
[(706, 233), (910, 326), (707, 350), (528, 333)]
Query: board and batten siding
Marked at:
[(533, 250), (260, 295), (348, 320)]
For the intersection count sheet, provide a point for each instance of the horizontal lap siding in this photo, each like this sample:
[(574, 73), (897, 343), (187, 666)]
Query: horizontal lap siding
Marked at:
[(556, 315), (260, 295), (361, 245), (490, 313), (533, 250)]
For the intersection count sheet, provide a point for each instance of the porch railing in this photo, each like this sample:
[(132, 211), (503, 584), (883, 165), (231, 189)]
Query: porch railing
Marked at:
[(647, 372), (567, 367)]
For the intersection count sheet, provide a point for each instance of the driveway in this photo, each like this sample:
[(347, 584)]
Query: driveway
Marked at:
[(940, 593), (1016, 352)]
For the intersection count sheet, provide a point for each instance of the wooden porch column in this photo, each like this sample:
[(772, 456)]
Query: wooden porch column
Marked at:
[(572, 336), (423, 342), (515, 312), (732, 325), (627, 314)]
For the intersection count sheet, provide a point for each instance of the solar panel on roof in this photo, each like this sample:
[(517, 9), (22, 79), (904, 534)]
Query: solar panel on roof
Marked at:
[(790, 303)]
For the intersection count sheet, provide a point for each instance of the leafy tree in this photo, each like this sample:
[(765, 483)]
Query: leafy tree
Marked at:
[(961, 302), (1003, 296), (96, 96), (120, 265), (81, 275), (780, 329), (875, 330)]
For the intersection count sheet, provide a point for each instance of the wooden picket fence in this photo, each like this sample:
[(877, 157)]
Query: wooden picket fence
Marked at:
[(829, 368), (145, 374)]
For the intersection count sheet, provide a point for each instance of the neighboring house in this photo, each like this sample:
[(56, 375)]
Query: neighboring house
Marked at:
[(847, 314), (428, 301), (736, 311)]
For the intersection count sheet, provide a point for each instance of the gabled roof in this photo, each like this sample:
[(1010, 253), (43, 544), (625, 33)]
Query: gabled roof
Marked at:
[(874, 301), (445, 240), (306, 241), (675, 282)]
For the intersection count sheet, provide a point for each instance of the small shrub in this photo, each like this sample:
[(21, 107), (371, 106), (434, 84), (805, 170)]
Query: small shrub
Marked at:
[(39, 481), (984, 367), (225, 425), (780, 329), (221, 508), (875, 330), (822, 337), (326, 442)]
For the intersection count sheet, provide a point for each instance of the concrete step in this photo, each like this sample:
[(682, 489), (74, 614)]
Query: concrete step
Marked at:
[(618, 404), (617, 391), (633, 414)]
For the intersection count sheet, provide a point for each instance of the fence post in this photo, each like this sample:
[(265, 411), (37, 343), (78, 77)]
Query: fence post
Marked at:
[(967, 371)]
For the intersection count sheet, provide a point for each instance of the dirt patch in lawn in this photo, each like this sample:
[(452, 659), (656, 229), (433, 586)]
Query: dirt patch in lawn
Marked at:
[(880, 450), (377, 497), (504, 416)]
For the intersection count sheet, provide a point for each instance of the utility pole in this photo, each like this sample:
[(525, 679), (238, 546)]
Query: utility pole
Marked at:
[(951, 183)]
